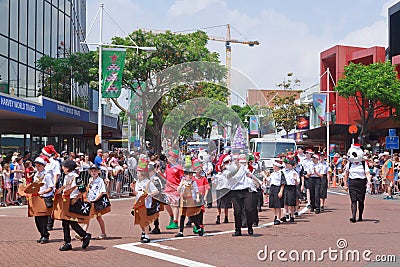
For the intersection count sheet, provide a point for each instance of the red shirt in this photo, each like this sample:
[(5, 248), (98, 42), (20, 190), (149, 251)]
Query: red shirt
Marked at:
[(173, 176), (29, 173), (202, 184)]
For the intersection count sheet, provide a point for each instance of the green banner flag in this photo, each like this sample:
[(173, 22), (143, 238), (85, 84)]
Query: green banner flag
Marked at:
[(136, 100), (112, 68)]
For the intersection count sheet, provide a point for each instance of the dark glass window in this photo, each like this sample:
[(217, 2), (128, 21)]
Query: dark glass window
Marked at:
[(23, 26), (22, 54), (14, 20), (3, 46), (39, 25), (67, 33), (31, 82), (47, 28), (61, 31), (13, 77), (3, 70), (13, 50), (22, 80), (31, 58), (4, 17), (31, 23), (54, 29)]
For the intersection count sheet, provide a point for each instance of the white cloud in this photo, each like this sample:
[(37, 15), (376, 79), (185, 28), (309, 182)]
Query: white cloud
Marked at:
[(190, 7), (386, 6), (373, 35)]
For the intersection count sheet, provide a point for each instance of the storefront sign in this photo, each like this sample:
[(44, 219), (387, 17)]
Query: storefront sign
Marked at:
[(65, 110), (22, 107)]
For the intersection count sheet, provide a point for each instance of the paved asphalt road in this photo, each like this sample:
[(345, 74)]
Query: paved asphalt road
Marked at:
[(377, 236)]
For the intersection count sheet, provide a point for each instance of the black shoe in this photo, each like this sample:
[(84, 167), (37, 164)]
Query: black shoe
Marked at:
[(218, 220), (44, 240), (291, 219), (39, 240), (255, 224), (200, 232), (353, 220), (49, 228), (317, 211), (141, 236), (360, 220), (180, 234), (296, 213), (250, 230), (86, 240), (209, 205), (189, 223), (65, 247), (312, 210), (277, 222), (259, 210), (155, 231), (237, 233), (322, 208), (283, 219), (226, 220), (309, 206), (145, 240)]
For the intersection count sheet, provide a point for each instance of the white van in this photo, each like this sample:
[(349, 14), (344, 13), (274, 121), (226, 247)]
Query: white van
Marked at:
[(196, 146), (271, 147)]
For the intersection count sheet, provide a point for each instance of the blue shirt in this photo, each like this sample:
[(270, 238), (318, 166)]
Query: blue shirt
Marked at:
[(98, 160), (12, 167)]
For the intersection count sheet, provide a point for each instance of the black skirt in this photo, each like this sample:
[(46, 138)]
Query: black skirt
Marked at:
[(357, 189), (274, 200), (224, 199), (323, 192), (289, 195)]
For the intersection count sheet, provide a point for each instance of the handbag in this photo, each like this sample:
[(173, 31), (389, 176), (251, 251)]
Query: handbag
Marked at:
[(80, 207), (48, 201), (102, 203), (155, 207)]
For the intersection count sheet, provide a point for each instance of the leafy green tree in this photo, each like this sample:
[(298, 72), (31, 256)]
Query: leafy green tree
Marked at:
[(172, 50), (59, 74), (375, 90), (285, 112)]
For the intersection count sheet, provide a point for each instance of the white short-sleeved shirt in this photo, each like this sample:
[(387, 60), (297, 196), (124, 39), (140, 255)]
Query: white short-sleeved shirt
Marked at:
[(47, 179), (357, 170), (275, 178), (325, 167), (97, 187), (141, 186), (291, 176), (318, 168), (53, 167), (70, 181)]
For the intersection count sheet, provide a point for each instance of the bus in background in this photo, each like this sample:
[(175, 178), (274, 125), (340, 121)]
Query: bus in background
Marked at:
[(271, 147)]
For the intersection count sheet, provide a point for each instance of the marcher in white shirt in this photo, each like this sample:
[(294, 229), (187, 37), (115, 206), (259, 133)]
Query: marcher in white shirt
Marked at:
[(314, 174)]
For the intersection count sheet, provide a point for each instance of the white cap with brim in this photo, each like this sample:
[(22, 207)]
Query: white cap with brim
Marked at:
[(277, 164), (40, 161)]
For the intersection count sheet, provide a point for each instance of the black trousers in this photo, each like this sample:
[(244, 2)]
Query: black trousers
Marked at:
[(50, 222), (242, 199), (357, 188), (75, 226), (41, 225), (315, 187), (209, 195), (195, 219)]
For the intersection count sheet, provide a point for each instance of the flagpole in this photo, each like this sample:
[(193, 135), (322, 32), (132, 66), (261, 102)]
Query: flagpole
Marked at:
[(99, 115), (328, 120)]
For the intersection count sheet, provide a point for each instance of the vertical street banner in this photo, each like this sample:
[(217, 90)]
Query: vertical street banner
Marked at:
[(253, 125), (113, 60), (319, 103), (136, 97)]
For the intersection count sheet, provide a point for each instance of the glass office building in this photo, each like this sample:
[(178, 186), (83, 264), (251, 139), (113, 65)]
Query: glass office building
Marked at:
[(30, 29)]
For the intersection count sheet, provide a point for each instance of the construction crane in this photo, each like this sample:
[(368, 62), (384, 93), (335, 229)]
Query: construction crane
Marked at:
[(228, 49)]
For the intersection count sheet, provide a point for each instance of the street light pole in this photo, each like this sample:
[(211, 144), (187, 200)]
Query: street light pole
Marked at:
[(328, 118)]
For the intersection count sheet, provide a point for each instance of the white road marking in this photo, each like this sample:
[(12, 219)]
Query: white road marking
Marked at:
[(134, 247), (337, 193), (161, 246), (162, 256)]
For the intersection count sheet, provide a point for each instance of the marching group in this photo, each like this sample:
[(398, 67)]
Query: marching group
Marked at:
[(182, 185)]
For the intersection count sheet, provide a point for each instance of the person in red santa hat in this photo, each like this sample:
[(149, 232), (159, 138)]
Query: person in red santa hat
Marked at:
[(52, 168)]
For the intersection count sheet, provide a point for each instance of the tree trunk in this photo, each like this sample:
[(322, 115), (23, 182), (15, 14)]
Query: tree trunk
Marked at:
[(157, 126)]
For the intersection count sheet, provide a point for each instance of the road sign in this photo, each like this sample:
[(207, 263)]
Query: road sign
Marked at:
[(136, 143), (392, 132), (392, 142)]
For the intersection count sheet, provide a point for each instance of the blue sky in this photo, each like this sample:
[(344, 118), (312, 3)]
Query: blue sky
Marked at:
[(292, 33)]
